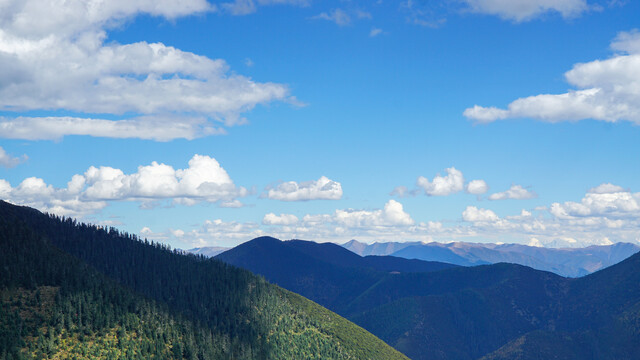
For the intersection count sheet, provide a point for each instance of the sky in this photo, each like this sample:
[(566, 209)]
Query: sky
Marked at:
[(199, 123)]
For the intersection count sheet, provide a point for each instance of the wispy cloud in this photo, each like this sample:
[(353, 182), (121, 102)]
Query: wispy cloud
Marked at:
[(9, 161), (337, 16), (516, 192), (375, 32)]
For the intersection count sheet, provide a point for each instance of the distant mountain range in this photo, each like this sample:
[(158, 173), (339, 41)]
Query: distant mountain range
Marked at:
[(208, 251), (500, 311), (569, 262)]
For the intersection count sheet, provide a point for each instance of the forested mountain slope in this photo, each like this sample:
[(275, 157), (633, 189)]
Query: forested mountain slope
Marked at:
[(74, 290)]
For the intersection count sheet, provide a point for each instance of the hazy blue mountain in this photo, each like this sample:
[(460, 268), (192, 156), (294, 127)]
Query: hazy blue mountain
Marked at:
[(377, 248), (208, 251), (570, 262)]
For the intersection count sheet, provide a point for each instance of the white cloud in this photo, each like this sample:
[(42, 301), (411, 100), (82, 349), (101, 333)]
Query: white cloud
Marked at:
[(606, 90), (477, 187), (393, 214), (451, 183), (9, 161), (282, 219), (610, 217), (614, 203), (599, 218), (203, 180), (474, 214), (375, 32), (535, 242), (321, 189), (523, 10), (627, 42), (338, 16), (55, 56), (516, 192), (607, 188), (221, 233), (150, 128)]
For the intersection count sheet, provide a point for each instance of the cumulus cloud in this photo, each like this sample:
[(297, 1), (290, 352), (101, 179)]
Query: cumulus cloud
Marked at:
[(9, 161), (55, 56), (605, 201), (477, 187), (607, 213), (474, 214), (523, 10), (451, 183), (392, 214), (219, 233), (516, 192), (599, 219), (282, 219), (605, 90), (321, 189), (441, 185), (203, 180), (606, 188)]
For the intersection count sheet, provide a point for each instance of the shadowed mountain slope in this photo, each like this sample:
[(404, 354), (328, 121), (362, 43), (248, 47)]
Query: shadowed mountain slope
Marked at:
[(499, 311), (325, 273)]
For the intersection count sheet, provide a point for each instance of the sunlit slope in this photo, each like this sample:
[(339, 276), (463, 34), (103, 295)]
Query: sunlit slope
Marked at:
[(70, 289)]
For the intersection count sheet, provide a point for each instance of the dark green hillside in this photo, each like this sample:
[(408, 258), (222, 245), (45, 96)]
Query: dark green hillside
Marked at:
[(72, 290)]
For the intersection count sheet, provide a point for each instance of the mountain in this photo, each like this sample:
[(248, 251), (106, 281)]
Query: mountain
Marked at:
[(377, 248), (72, 290), (208, 251), (496, 311), (570, 262), (325, 273), (507, 311)]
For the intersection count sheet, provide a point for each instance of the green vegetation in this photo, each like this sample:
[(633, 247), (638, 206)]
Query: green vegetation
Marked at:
[(75, 291)]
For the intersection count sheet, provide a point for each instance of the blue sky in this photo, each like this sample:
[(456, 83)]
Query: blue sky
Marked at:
[(200, 123)]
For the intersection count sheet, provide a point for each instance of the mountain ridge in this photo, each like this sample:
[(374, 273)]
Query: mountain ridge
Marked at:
[(495, 311), (570, 262)]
